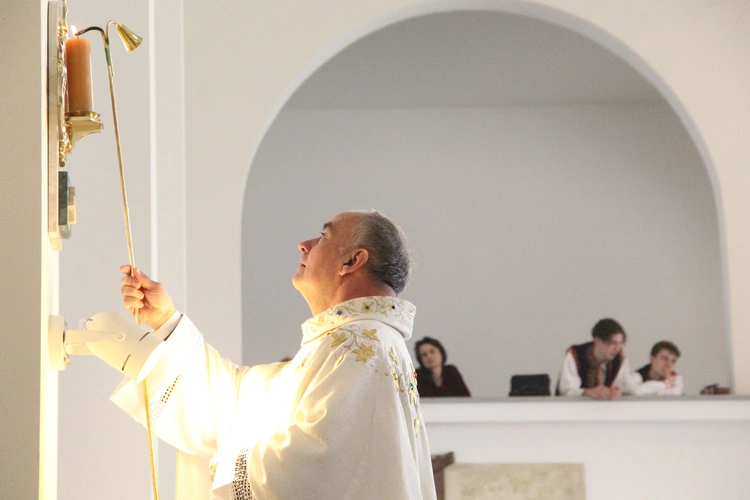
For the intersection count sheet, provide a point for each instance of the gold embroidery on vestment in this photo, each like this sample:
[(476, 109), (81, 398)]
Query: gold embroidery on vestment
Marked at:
[(338, 339), (364, 353), (371, 334), (394, 356)]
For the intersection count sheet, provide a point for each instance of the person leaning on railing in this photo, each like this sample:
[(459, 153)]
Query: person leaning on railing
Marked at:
[(434, 377)]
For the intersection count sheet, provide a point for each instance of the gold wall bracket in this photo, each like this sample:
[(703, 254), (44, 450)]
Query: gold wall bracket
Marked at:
[(80, 124)]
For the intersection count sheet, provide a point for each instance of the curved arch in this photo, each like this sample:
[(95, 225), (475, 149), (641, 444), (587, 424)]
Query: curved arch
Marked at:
[(554, 16), (539, 12)]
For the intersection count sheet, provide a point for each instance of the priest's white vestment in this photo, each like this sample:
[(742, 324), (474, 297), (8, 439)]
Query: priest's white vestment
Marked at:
[(339, 421)]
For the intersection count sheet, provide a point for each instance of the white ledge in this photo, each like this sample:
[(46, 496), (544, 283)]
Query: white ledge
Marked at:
[(546, 409)]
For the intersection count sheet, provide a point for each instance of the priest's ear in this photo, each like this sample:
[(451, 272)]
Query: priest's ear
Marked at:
[(357, 260)]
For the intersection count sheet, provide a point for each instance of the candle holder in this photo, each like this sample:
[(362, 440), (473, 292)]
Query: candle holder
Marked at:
[(64, 130)]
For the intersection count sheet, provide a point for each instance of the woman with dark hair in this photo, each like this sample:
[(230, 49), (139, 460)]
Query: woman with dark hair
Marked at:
[(434, 377)]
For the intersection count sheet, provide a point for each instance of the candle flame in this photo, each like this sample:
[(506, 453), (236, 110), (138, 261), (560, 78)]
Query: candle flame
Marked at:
[(72, 30)]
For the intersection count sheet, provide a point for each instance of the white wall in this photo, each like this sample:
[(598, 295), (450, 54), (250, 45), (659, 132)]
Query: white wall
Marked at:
[(528, 223), (649, 449), (28, 267)]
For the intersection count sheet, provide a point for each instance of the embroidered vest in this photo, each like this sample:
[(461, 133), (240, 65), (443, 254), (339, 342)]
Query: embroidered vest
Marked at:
[(645, 372), (587, 367)]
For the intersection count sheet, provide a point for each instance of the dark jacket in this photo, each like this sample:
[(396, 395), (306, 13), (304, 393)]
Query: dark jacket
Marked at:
[(453, 383)]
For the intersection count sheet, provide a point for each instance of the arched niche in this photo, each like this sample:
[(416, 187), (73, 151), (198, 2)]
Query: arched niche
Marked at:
[(505, 298)]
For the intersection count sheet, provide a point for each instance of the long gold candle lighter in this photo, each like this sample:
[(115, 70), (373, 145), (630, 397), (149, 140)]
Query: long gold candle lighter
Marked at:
[(131, 42)]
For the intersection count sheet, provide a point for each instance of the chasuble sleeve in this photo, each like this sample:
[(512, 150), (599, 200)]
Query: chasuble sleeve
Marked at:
[(192, 391)]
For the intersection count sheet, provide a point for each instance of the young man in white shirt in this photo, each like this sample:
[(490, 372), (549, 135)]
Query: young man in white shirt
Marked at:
[(598, 369), (658, 377)]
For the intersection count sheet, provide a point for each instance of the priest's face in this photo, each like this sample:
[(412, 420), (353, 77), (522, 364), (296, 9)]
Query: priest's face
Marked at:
[(318, 274)]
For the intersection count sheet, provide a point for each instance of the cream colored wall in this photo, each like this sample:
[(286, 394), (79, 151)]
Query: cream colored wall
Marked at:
[(525, 231), (244, 60), (668, 449), (28, 268)]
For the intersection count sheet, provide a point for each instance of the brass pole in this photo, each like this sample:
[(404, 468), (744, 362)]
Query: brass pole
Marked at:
[(131, 259), (147, 406), (126, 211)]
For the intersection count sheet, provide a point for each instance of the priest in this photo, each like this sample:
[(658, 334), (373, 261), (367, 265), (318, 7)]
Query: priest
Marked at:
[(340, 420)]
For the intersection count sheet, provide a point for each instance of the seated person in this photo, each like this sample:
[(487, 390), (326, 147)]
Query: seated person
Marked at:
[(658, 377), (434, 377), (598, 369)]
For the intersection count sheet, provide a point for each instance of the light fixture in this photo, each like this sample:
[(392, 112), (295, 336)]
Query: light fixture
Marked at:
[(119, 341), (111, 336)]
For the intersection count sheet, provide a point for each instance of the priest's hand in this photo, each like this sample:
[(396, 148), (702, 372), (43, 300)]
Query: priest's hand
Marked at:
[(149, 297)]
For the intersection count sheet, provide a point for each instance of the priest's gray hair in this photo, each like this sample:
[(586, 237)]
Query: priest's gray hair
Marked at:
[(389, 260)]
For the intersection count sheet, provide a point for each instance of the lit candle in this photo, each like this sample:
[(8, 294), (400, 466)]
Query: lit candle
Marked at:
[(78, 64)]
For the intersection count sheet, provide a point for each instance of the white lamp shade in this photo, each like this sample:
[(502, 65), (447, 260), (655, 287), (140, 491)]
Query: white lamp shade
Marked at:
[(133, 350)]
